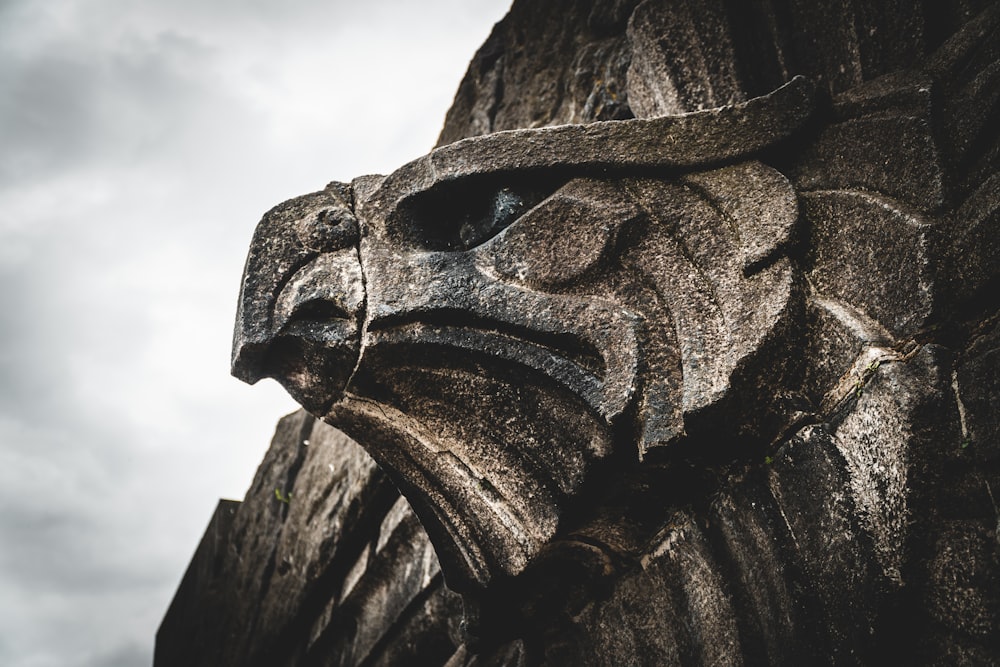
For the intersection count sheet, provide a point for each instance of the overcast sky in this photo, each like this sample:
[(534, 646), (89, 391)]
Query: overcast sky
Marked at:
[(140, 142)]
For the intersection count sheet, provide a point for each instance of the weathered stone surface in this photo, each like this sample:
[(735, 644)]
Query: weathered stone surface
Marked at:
[(808, 483), (256, 533), (336, 493), (881, 140), (201, 595), (277, 582), (690, 599), (395, 574), (679, 358), (681, 59), (977, 383), (585, 77)]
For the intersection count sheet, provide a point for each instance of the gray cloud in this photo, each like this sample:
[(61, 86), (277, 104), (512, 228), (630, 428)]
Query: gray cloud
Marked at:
[(142, 141), (128, 655)]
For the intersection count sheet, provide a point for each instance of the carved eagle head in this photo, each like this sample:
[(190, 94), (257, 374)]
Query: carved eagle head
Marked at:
[(495, 319)]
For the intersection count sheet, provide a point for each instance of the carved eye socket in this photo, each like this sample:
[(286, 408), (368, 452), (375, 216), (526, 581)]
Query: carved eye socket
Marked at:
[(507, 207), (464, 215)]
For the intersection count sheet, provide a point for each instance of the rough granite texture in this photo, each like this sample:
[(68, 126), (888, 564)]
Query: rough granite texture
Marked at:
[(683, 346)]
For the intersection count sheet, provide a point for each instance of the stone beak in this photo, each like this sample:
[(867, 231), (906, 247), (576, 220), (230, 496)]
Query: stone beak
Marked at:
[(302, 299)]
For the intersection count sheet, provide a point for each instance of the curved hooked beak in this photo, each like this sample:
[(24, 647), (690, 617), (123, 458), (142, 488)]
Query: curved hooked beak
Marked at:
[(302, 301)]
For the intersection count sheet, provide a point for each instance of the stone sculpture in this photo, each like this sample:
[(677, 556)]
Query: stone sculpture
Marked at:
[(701, 367), (497, 317)]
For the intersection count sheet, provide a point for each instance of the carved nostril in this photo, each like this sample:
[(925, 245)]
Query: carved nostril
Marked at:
[(329, 288), (319, 310), (329, 230)]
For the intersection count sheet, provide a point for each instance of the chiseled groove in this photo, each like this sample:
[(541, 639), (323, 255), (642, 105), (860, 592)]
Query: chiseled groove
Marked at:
[(707, 599), (386, 568), (683, 251), (750, 624), (413, 609), (300, 263), (268, 574), (753, 644), (567, 345), (381, 495)]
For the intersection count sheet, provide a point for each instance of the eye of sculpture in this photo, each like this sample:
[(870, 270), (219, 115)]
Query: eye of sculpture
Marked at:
[(460, 216)]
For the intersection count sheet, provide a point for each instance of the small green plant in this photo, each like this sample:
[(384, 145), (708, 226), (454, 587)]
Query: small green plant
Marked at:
[(966, 442), (768, 460), (859, 384), (282, 498)]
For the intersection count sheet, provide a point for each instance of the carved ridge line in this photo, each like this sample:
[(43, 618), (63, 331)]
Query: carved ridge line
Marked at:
[(685, 140)]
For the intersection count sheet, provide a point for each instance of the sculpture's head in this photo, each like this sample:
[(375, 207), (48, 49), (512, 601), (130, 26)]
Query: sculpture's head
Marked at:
[(493, 319)]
